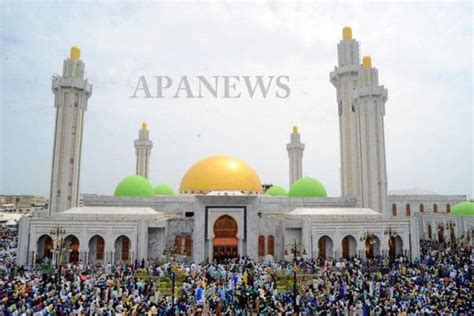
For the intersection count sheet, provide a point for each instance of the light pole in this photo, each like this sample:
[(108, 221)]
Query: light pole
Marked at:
[(59, 245), (296, 250), (171, 252), (391, 240), (368, 237)]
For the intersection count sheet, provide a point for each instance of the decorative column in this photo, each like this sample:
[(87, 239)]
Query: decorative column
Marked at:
[(295, 154)]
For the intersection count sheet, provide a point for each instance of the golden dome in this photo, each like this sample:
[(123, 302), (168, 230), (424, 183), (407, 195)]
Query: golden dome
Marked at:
[(220, 173), (367, 62), (75, 53), (347, 33)]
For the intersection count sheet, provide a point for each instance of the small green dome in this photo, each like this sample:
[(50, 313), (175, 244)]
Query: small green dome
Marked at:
[(307, 187), (164, 189), (463, 209), (134, 185), (276, 190)]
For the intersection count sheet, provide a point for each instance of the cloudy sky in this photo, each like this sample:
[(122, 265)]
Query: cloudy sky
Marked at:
[(423, 53)]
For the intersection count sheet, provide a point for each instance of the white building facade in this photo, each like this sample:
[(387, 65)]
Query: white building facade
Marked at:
[(222, 211)]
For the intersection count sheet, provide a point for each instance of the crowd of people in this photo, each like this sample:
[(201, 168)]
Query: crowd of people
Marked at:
[(439, 282), (8, 243)]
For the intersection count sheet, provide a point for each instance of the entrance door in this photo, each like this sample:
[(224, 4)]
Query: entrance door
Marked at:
[(322, 247), (225, 239)]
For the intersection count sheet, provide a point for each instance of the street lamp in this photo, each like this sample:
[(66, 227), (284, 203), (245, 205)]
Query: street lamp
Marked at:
[(59, 246), (296, 250), (368, 237), (171, 252), (391, 238)]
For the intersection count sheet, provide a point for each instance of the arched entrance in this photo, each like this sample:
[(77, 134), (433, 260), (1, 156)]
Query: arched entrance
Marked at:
[(325, 247), (44, 247), (96, 249), (72, 242), (372, 247), (395, 246), (225, 238), (349, 247), (122, 248)]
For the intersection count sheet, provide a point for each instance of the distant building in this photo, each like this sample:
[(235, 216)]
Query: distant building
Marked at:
[(22, 203)]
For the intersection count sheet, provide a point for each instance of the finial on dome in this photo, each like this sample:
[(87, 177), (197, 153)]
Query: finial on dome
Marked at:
[(295, 129), (144, 125), (367, 62), (75, 53), (347, 33)]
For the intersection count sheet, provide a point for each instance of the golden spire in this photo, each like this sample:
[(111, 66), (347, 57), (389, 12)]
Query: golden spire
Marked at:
[(75, 53), (347, 33), (295, 129), (144, 125), (367, 62)]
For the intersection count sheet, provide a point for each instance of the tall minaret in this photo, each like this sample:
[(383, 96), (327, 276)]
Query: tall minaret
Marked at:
[(370, 107), (345, 78), (71, 92), (295, 154), (143, 146)]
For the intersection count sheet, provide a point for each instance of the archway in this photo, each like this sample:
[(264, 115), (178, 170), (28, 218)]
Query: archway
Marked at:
[(372, 247), (122, 248), (349, 247), (96, 249), (72, 243), (395, 246), (325, 247), (44, 247), (225, 238)]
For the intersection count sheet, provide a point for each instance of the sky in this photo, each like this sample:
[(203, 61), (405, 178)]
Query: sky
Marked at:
[(423, 52)]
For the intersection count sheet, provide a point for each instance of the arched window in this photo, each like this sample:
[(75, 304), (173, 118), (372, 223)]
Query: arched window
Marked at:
[(188, 245), (448, 208), (422, 208), (261, 246), (177, 244), (407, 210), (271, 245), (394, 209), (435, 208)]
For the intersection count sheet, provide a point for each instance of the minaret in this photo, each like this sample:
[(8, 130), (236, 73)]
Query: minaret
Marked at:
[(370, 107), (345, 78), (295, 154), (143, 146), (71, 93)]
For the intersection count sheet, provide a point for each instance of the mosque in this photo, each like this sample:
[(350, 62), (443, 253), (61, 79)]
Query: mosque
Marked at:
[(222, 210)]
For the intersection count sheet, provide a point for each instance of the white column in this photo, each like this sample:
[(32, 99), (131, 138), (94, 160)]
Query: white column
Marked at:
[(370, 107), (295, 154), (345, 79), (143, 146), (71, 92)]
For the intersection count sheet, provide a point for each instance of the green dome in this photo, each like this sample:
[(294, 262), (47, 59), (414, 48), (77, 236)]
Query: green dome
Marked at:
[(134, 185), (307, 187), (164, 189), (464, 209), (276, 190)]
